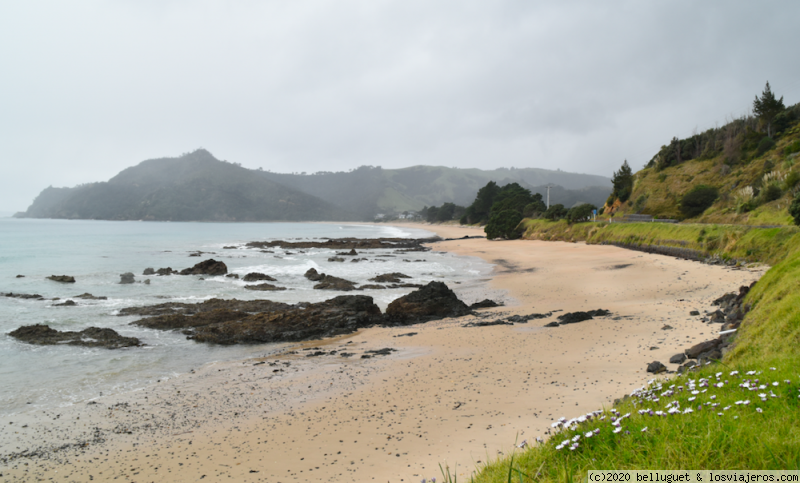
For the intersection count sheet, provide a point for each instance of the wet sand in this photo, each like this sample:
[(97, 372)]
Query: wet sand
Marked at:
[(448, 394)]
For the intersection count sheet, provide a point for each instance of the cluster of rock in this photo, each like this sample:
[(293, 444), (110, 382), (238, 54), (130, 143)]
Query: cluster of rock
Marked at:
[(260, 321), (92, 337), (349, 243), (730, 314), (575, 317), (510, 320)]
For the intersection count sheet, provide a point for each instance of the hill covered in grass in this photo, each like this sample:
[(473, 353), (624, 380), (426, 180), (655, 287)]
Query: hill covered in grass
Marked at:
[(755, 175)]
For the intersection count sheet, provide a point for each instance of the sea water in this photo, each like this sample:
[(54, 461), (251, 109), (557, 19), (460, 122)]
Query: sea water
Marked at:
[(97, 252)]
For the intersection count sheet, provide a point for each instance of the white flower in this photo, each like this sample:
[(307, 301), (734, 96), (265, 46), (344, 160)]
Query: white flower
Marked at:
[(759, 410), (720, 384), (576, 438), (687, 411), (644, 429), (751, 373), (589, 434), (787, 381), (746, 402), (772, 369), (691, 398), (733, 373), (695, 392), (718, 374), (713, 396), (617, 430), (762, 395), (762, 387), (726, 408), (775, 383), (556, 424)]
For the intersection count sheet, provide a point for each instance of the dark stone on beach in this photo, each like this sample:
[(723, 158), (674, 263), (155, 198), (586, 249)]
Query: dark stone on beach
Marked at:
[(408, 334), (552, 324), (654, 348), (678, 358), (264, 287), (149, 271), (484, 304), (329, 282), (23, 295), (341, 315), (656, 367), (336, 259), (718, 317), (313, 275), (667, 327), (126, 278), (166, 271), (206, 267), (523, 319), (68, 303), (256, 276), (433, 301), (92, 337), (180, 321), (725, 299), (573, 317), (687, 367), (170, 308), (346, 354), (487, 323), (316, 354), (233, 275), (714, 354), (381, 352), (694, 312), (702, 347), (351, 253), (62, 278), (394, 277)]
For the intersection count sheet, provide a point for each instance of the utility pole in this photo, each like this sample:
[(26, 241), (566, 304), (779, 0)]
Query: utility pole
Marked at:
[(548, 195)]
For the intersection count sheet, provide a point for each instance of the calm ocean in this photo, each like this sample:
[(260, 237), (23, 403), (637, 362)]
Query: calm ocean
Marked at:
[(97, 252)]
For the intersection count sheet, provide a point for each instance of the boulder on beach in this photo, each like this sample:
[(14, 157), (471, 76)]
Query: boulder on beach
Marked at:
[(127, 277), (573, 317), (678, 358), (313, 275), (257, 276), (433, 301), (484, 304), (92, 337), (341, 315), (697, 349), (181, 321), (206, 267), (656, 367), (62, 278), (329, 282)]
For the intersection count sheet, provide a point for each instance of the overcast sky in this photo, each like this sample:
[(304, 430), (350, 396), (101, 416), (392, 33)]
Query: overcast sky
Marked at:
[(88, 88)]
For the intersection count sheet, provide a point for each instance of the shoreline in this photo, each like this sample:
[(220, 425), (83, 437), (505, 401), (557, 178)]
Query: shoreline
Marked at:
[(449, 394)]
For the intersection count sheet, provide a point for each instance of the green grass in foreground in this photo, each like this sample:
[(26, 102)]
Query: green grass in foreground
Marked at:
[(718, 433)]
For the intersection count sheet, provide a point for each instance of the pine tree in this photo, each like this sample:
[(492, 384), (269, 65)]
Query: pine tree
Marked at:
[(623, 182), (767, 107)]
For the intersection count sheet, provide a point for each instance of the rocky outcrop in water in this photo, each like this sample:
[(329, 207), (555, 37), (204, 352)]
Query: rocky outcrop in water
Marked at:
[(149, 271), (257, 276), (348, 243), (170, 308), (433, 301), (92, 337), (62, 278), (88, 296), (313, 275), (23, 295), (394, 277), (329, 282), (166, 271), (264, 287), (206, 267), (126, 278)]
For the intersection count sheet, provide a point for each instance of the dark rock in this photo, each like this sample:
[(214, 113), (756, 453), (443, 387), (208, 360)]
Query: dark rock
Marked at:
[(349, 243), (691, 365), (313, 275), (170, 308), (667, 327), (718, 317), (329, 282), (487, 323), (351, 253), (88, 296), (180, 321), (316, 354), (484, 304), (522, 319), (233, 275), (552, 324), (371, 286), (146, 281), (381, 352), (23, 295), (394, 277), (340, 315), (702, 347), (346, 354), (256, 276), (92, 337), (62, 278), (677, 359), (20, 276), (654, 348), (126, 277), (166, 271), (149, 271), (656, 367), (404, 285), (694, 312), (229, 248), (68, 303), (264, 287), (206, 267), (433, 301), (725, 299), (408, 334), (573, 317), (336, 259)]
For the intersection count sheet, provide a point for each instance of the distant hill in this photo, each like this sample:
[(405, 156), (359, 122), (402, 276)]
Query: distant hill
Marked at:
[(369, 190), (193, 187), (199, 187)]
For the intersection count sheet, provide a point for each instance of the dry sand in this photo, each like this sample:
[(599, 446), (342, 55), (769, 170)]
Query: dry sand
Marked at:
[(449, 395)]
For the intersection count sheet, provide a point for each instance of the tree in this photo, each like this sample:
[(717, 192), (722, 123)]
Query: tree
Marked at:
[(504, 224), (794, 208), (767, 107), (555, 212), (580, 213), (623, 182), (698, 200)]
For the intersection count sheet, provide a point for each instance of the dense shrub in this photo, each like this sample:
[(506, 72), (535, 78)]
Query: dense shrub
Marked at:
[(504, 224), (792, 148), (794, 209), (791, 180), (771, 193), (556, 212), (765, 145), (580, 213), (698, 200)]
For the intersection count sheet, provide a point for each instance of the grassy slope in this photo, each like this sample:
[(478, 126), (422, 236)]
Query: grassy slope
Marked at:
[(658, 192), (742, 437)]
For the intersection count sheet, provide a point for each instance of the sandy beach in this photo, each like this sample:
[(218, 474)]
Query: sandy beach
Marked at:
[(446, 394)]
